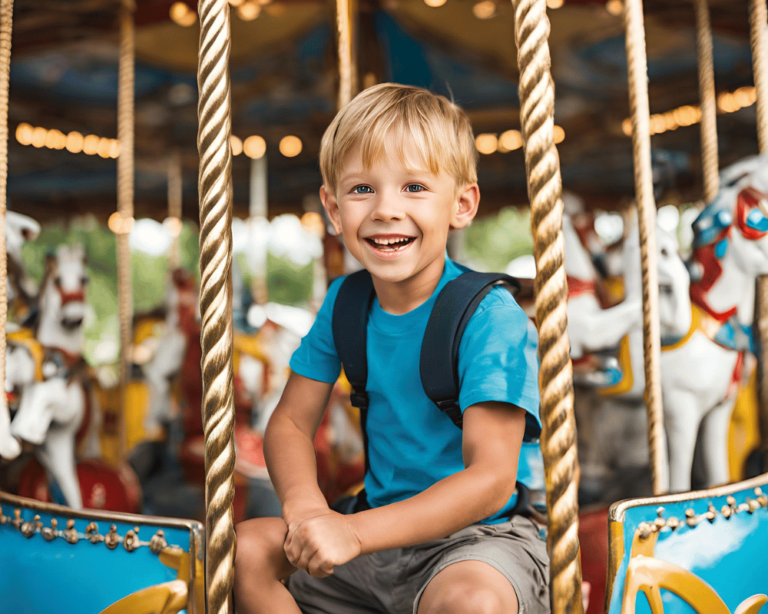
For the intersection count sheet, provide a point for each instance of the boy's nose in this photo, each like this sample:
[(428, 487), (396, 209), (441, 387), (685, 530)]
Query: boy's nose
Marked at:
[(387, 209)]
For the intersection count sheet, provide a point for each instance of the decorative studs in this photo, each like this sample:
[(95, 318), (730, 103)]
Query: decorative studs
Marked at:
[(731, 500), (28, 528), (92, 533), (691, 519), (753, 505), (711, 513), (131, 541), (673, 523), (157, 543), (17, 521), (70, 534), (112, 539), (3, 517), (726, 511), (50, 533)]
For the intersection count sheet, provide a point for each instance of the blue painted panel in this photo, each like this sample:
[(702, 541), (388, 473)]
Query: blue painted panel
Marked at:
[(41, 577), (726, 553)]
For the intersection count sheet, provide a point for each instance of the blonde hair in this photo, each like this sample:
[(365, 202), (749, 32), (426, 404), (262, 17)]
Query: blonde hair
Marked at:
[(437, 129)]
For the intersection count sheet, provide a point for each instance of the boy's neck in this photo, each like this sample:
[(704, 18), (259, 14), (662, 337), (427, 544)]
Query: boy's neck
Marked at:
[(401, 297)]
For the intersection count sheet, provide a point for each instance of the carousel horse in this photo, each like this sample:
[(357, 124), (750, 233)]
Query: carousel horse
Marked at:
[(701, 371), (57, 413)]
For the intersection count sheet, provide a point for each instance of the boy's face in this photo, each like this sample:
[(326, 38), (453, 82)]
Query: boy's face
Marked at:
[(395, 218)]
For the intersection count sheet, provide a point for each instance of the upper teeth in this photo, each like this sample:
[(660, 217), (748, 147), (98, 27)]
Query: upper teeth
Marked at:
[(388, 241)]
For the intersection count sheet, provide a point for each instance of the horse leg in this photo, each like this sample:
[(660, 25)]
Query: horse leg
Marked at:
[(9, 445), (714, 442), (682, 418), (57, 455)]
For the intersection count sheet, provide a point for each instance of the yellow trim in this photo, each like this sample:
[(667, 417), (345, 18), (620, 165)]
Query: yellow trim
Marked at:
[(627, 379), (166, 598), (696, 319), (26, 337), (615, 555)]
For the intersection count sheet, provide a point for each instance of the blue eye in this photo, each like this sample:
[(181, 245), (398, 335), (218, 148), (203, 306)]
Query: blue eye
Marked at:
[(362, 189), (415, 187)]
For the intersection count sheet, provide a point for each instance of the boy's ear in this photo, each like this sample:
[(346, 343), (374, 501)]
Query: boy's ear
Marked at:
[(467, 203), (332, 207)]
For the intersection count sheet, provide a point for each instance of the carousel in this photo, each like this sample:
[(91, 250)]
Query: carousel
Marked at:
[(159, 274)]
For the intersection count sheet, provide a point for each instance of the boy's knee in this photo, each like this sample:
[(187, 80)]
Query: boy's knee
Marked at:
[(260, 548), (462, 597)]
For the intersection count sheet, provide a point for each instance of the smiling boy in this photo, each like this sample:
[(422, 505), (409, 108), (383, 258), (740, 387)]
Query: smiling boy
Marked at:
[(439, 532)]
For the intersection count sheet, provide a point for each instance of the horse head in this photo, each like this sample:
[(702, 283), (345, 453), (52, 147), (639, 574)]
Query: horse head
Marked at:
[(731, 241), (64, 288)]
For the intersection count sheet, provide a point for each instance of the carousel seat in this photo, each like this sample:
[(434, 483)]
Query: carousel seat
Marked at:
[(55, 559), (693, 552)]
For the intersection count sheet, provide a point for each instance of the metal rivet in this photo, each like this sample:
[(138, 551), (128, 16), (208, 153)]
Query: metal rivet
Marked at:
[(753, 505), (71, 534), (157, 543), (726, 511), (673, 523), (690, 515), (730, 500), (112, 539)]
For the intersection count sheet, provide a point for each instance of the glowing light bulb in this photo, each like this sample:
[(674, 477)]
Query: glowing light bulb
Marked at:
[(38, 137), (555, 4), (510, 140), (91, 144), (236, 144), (182, 15), (558, 135), (114, 148), (24, 134), (248, 11), (255, 146), (614, 7), (484, 9), (74, 142), (486, 143), (435, 3), (290, 146)]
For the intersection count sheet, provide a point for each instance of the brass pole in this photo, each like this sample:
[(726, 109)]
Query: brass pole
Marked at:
[(6, 25), (646, 217), (215, 193), (346, 45), (710, 165), (175, 199), (757, 22), (125, 120), (558, 437)]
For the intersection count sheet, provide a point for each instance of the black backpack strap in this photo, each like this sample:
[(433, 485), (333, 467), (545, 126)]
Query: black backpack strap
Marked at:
[(350, 324), (439, 362)]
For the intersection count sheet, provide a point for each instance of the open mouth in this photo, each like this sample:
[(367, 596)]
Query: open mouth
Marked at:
[(390, 245)]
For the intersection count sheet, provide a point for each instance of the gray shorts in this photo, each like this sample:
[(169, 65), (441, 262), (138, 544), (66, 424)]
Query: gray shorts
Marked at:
[(392, 581)]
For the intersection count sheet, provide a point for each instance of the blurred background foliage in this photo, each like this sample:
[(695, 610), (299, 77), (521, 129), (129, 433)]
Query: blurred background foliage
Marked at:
[(494, 241)]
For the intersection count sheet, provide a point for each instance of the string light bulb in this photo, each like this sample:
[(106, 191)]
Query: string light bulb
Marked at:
[(485, 9), (486, 143), (182, 15), (614, 7), (236, 144), (290, 146), (248, 11), (255, 146), (555, 4), (435, 3)]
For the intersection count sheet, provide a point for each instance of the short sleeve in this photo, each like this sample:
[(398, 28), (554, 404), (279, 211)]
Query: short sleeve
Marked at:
[(316, 357), (497, 358)]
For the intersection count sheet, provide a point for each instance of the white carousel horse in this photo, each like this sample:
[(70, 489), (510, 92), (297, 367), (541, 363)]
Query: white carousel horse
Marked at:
[(19, 372), (49, 416), (52, 408), (62, 301), (700, 374), (590, 327)]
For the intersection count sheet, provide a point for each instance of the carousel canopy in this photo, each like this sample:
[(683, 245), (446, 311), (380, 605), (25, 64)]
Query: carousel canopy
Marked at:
[(64, 75)]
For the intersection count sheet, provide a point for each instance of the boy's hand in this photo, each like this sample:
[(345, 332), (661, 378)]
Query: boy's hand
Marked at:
[(319, 544)]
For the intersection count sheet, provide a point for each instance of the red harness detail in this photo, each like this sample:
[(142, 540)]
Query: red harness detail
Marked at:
[(578, 286), (712, 271), (78, 296), (748, 199)]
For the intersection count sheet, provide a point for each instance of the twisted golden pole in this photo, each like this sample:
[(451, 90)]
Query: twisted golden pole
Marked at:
[(710, 165), (175, 199), (125, 119), (757, 22), (215, 192), (558, 437), (6, 25), (641, 151), (345, 40)]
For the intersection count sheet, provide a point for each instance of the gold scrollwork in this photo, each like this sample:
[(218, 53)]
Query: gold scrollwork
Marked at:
[(649, 575)]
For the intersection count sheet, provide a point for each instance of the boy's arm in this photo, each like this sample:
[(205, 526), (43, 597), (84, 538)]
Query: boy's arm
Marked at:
[(493, 435), (289, 449)]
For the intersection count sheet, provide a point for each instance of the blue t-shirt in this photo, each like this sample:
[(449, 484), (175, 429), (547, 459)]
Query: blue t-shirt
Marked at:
[(411, 443)]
